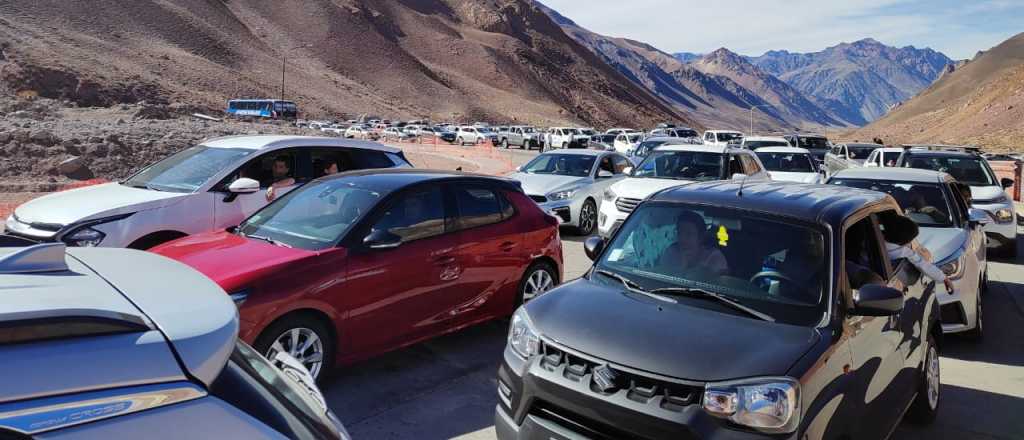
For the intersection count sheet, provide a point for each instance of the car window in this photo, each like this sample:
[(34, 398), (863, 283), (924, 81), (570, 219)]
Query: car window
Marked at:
[(973, 171), (787, 162), (750, 165), (331, 160), (606, 164), (620, 163), (477, 206), (961, 208), (735, 166), (860, 152), (689, 165), (774, 265), (560, 164), (187, 170), (297, 165), (924, 203), (414, 215), (726, 137), (863, 255)]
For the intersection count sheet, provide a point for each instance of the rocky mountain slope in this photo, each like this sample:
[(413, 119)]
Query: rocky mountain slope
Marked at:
[(860, 81), (980, 102), (718, 93), (444, 59)]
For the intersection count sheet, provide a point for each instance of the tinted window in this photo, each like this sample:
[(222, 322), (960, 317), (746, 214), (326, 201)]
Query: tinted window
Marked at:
[(970, 170), (690, 165), (561, 164), (727, 251), (753, 145), (787, 162), (415, 215), (924, 203), (187, 170), (816, 143), (864, 263), (726, 137), (750, 165), (620, 163), (477, 206), (860, 152), (645, 147)]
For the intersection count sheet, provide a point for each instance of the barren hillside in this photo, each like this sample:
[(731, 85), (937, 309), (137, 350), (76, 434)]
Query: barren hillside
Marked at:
[(444, 59), (981, 102)]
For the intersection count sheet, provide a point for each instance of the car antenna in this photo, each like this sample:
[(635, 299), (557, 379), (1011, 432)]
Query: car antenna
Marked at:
[(739, 192)]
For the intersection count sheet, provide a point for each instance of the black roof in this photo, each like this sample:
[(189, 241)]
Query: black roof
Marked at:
[(811, 203), (940, 153), (391, 179)]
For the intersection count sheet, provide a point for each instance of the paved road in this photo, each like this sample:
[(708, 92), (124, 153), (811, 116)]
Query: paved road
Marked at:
[(446, 388)]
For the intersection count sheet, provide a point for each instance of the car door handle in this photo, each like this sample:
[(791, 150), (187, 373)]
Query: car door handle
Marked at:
[(508, 246), (445, 260)]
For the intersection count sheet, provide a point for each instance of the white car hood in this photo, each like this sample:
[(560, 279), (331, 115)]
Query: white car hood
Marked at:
[(986, 192), (641, 187), (794, 177), (542, 184), (92, 202), (941, 242)]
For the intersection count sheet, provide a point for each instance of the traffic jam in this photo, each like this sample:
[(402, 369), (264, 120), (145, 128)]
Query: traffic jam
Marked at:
[(739, 286)]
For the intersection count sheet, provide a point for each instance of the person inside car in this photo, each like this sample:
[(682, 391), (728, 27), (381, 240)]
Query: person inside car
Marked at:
[(693, 253), (898, 232), (281, 175)]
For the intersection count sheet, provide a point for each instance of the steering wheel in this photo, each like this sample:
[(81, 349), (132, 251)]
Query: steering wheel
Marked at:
[(770, 274)]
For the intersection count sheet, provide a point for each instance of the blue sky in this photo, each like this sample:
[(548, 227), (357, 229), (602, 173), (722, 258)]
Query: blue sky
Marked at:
[(750, 27)]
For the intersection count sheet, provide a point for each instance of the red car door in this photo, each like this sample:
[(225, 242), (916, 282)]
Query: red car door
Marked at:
[(490, 251), (392, 292)]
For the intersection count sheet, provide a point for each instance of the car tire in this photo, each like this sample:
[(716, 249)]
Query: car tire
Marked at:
[(504, 143), (977, 332), (565, 145), (926, 405), (300, 327), (460, 142), (538, 279), (588, 212)]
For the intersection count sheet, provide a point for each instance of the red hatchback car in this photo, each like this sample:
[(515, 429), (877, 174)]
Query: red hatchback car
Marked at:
[(357, 264)]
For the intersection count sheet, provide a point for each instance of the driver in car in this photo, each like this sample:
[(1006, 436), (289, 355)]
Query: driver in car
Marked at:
[(693, 254)]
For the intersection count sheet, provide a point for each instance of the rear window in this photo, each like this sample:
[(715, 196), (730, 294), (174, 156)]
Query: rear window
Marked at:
[(478, 206)]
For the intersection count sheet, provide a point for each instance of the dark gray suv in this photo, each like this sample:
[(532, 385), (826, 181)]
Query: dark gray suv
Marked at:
[(116, 343)]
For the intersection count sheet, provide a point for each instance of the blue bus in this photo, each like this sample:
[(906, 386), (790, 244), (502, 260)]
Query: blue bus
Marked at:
[(263, 108)]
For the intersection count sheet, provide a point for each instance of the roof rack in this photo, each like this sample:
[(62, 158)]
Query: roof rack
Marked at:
[(44, 257)]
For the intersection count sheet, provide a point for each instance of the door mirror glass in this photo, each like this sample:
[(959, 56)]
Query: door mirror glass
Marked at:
[(977, 216), (382, 239), (604, 174), (1006, 182), (877, 300), (593, 247), (244, 185)]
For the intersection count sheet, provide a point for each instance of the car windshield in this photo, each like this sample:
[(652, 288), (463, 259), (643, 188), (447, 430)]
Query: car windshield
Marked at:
[(686, 133), (689, 165), (726, 137), (860, 152), (528, 130), (753, 145), (587, 131), (606, 138), (775, 266), (787, 162), (560, 164), (187, 170), (816, 143), (969, 170), (572, 131), (312, 217), (645, 147), (633, 138), (924, 203)]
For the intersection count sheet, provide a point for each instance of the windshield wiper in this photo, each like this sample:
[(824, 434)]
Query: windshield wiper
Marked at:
[(267, 239), (634, 287), (716, 296)]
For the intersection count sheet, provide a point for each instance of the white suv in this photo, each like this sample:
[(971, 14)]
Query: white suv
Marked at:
[(674, 165), (210, 186), (722, 137)]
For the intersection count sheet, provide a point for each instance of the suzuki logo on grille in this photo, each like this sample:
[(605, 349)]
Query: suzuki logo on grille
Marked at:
[(605, 377)]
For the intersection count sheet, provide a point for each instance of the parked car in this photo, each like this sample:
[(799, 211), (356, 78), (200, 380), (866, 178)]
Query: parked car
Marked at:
[(817, 144), (678, 132), (618, 131), (446, 135), (883, 157), (602, 142), (848, 155), (569, 183), (740, 310), (988, 193), (949, 229), (489, 135), (566, 137), (648, 145), (428, 253), (722, 137), (626, 143), (587, 131), (755, 142), (524, 137), (360, 132), (469, 135), (395, 134), (674, 165), (790, 164), (118, 343), (207, 187)]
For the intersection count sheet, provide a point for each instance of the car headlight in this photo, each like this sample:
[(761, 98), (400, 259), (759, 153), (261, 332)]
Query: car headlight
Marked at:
[(84, 237), (1002, 215), (770, 405), (522, 338), (561, 195), (954, 267), (609, 195)]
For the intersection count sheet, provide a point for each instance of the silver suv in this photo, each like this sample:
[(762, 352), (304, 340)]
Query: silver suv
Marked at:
[(117, 343)]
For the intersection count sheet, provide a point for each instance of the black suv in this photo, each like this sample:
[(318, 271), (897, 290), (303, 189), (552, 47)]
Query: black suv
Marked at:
[(723, 311)]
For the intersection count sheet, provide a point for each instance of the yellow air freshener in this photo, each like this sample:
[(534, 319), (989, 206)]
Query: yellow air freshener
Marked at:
[(723, 236)]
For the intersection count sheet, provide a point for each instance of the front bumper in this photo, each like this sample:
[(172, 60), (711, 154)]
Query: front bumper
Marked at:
[(565, 210), (609, 219), (957, 311), (1000, 234)]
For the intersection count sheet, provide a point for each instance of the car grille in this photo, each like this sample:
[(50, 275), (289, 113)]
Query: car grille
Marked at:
[(626, 204), (641, 388), (539, 199)]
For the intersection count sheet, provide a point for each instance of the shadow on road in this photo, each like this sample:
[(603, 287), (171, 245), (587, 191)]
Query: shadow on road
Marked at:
[(966, 413)]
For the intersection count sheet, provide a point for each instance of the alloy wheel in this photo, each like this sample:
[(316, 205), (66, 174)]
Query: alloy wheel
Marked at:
[(932, 376), (537, 283), (587, 218), (302, 344)]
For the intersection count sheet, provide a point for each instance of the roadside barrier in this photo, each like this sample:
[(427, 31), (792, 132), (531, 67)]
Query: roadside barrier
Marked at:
[(1011, 169), (482, 151)]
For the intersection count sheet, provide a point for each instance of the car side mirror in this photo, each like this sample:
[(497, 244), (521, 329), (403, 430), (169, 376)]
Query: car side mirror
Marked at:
[(604, 174), (593, 246), (976, 216), (1006, 182), (244, 185), (739, 176), (381, 239), (877, 300), (627, 170)]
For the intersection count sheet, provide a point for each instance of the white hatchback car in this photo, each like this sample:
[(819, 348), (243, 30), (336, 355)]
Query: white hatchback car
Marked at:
[(674, 165), (210, 186), (790, 164), (950, 230)]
